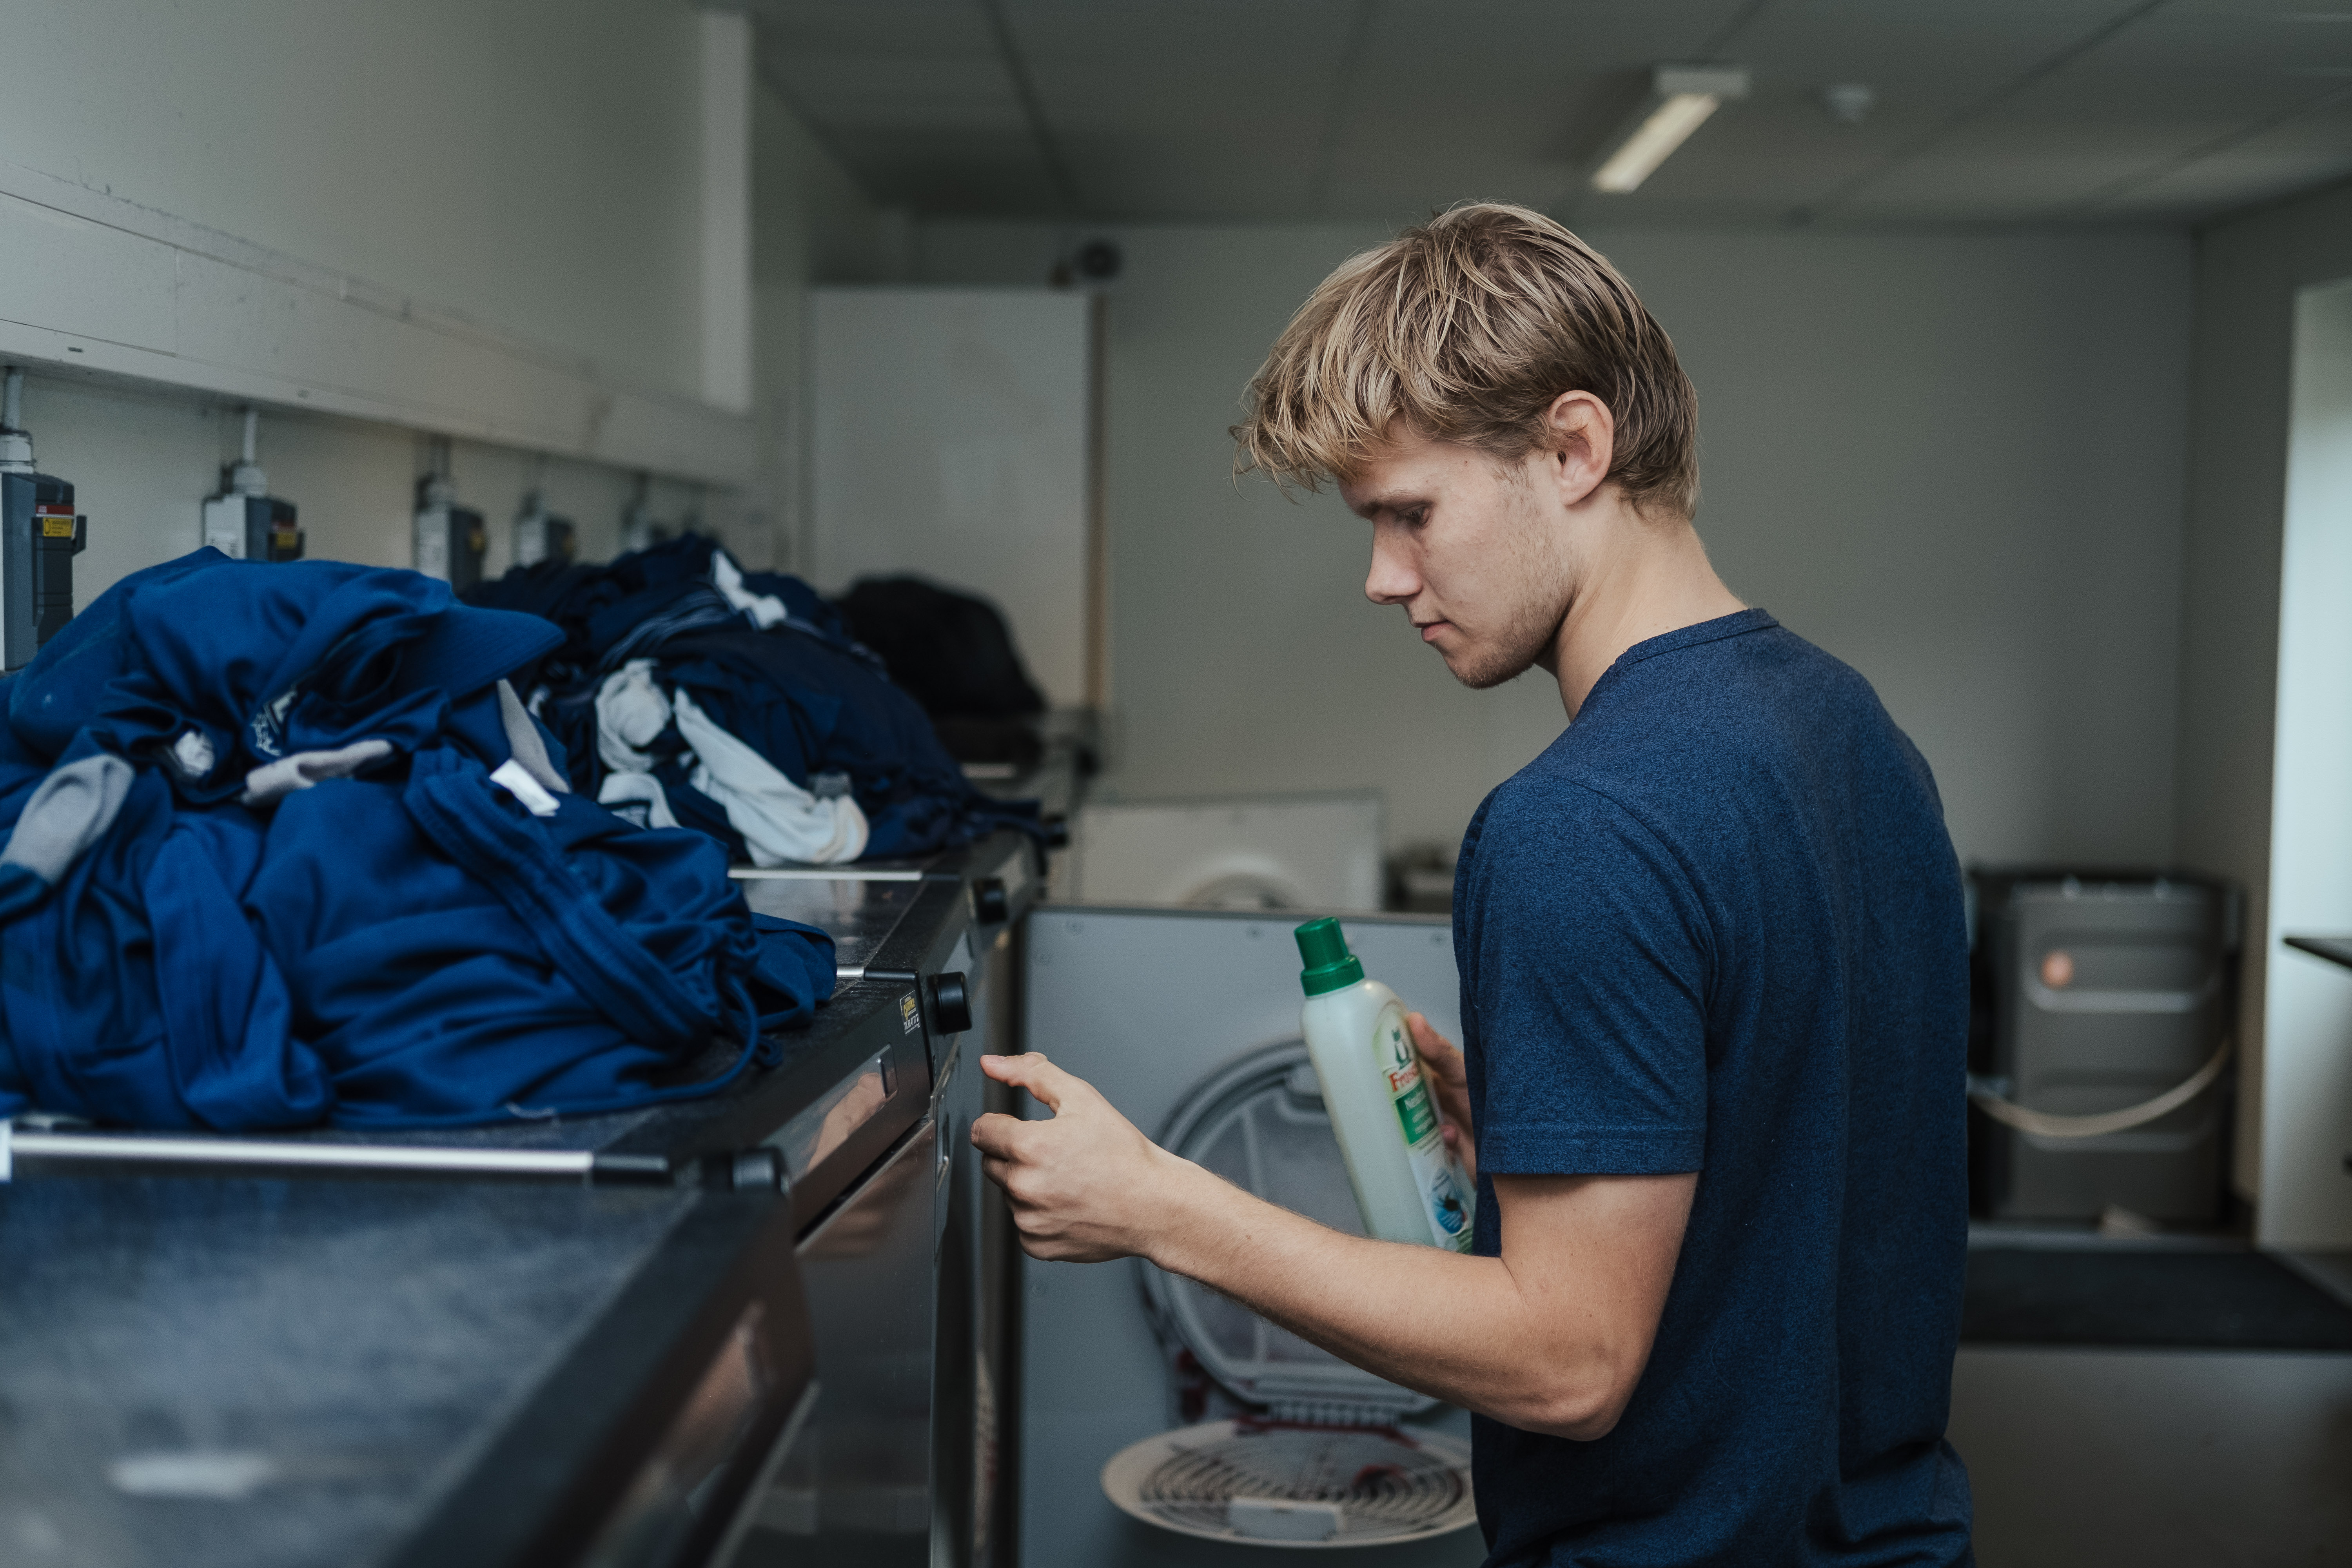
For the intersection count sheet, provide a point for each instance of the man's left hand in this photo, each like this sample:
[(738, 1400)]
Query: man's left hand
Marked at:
[(1085, 1187)]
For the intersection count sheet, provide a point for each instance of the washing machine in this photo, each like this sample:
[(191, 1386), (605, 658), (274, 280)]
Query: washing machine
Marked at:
[(1274, 852), (1162, 1424)]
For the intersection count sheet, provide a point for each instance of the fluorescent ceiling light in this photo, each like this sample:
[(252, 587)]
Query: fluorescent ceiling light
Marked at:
[(1666, 128), (1681, 99)]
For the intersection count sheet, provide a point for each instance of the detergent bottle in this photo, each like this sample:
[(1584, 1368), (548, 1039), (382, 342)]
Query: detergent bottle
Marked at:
[(1407, 1185)]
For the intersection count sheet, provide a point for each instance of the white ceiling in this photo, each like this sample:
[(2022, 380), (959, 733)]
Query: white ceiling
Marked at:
[(1989, 111)]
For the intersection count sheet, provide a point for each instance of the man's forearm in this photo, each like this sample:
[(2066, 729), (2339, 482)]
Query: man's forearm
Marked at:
[(1462, 1329), (1550, 1335)]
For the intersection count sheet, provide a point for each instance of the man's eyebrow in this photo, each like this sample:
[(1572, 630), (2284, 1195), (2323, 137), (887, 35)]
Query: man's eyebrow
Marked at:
[(1401, 501)]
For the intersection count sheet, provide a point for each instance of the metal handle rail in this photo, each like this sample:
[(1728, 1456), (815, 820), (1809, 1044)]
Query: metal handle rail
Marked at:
[(949, 1008), (31, 1143)]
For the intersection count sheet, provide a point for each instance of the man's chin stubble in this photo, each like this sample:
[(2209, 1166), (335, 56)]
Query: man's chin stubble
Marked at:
[(1493, 669), (1489, 673)]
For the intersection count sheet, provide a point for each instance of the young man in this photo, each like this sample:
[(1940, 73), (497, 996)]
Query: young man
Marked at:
[(1714, 974)]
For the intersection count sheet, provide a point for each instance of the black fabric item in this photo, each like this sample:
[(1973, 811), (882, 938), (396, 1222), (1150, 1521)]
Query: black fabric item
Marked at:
[(2152, 1300), (1013, 741), (951, 652)]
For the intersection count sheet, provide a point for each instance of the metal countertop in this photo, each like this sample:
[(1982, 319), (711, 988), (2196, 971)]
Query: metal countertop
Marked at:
[(255, 1372)]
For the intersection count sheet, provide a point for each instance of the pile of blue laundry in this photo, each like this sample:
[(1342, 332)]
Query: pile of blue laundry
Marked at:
[(284, 848), (688, 691)]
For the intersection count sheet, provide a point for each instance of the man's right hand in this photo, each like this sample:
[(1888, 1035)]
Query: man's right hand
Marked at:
[(1449, 1081)]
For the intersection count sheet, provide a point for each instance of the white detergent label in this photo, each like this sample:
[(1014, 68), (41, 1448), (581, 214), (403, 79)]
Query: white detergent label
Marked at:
[(1425, 1146)]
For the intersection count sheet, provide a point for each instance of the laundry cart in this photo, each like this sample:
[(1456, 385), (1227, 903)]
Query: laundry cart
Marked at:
[(1162, 1424)]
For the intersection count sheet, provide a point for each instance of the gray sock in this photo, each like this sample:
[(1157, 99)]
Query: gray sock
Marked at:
[(523, 739), (71, 811)]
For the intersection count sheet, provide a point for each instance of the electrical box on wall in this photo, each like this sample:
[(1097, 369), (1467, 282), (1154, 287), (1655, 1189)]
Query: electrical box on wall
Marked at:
[(640, 530), (450, 539), (245, 522), (252, 528), (41, 533), (540, 535)]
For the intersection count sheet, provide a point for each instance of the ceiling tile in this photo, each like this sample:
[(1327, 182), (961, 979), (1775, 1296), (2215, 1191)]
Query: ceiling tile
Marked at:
[(1986, 112)]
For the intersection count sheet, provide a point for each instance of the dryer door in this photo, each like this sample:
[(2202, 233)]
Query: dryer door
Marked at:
[(856, 1484), (1260, 1123)]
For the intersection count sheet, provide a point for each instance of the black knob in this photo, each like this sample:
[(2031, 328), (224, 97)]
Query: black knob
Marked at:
[(989, 902), (1058, 833), (760, 1170), (950, 1003)]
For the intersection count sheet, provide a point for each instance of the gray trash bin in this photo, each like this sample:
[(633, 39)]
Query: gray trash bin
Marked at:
[(2105, 991)]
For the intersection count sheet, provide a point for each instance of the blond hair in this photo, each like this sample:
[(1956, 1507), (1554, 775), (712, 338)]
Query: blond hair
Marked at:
[(1466, 329)]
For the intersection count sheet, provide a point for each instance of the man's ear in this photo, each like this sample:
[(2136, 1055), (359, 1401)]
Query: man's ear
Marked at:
[(1583, 444)]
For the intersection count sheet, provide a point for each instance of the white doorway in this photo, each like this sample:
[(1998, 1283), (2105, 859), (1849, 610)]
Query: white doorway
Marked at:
[(2304, 1074)]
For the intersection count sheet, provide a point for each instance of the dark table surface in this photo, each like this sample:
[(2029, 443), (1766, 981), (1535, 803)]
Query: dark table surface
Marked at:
[(858, 915), (254, 1372)]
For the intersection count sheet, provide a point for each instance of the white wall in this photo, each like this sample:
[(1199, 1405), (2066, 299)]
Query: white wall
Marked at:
[(525, 223), (952, 430), (1953, 462), (811, 224), (530, 163), (2249, 271), (2307, 1090), (143, 455)]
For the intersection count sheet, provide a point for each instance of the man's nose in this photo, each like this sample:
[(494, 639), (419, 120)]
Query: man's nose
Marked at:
[(1392, 580)]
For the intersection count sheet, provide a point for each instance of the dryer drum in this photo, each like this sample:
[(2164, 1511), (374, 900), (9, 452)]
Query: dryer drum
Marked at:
[(1318, 1457), (1260, 1123)]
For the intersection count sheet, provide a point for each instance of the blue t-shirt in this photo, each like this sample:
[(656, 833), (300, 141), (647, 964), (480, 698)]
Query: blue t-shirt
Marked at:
[(1717, 927)]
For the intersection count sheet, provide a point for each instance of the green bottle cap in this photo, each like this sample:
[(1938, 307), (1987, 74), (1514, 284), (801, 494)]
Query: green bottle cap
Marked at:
[(1329, 966)]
